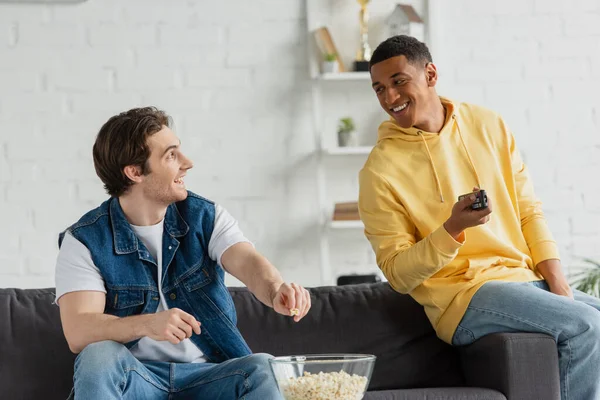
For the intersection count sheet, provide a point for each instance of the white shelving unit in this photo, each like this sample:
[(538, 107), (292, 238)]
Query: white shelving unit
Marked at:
[(342, 21), (348, 151), (345, 76)]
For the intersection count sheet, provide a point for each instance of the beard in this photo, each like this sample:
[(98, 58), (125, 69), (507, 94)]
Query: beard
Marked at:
[(163, 194)]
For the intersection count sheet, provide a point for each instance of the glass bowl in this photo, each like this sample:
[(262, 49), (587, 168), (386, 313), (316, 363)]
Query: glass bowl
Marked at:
[(323, 376)]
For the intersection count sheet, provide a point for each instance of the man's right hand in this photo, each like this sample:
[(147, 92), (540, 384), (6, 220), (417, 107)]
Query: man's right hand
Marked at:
[(173, 325), (464, 217)]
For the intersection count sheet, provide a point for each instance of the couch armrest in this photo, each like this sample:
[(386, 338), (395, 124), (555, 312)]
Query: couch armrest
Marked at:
[(522, 366)]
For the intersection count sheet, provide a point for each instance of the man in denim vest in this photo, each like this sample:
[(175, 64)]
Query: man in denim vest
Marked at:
[(140, 279)]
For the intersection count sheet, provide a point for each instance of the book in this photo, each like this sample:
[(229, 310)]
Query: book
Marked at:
[(326, 45)]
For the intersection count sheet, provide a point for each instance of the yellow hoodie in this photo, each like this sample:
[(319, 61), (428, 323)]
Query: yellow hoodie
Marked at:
[(408, 186)]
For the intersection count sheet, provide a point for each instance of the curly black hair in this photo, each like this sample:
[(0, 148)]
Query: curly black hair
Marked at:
[(401, 45)]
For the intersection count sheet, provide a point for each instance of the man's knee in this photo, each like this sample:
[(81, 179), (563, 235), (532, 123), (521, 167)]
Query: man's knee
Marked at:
[(259, 364), (100, 357)]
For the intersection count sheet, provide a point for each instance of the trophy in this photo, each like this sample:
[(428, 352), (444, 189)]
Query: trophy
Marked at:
[(363, 55)]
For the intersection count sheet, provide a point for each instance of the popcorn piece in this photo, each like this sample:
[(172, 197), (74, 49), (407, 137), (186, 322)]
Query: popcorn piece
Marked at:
[(325, 386), (294, 311)]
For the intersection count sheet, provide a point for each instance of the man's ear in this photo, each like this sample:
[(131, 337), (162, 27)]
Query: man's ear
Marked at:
[(134, 173), (431, 74)]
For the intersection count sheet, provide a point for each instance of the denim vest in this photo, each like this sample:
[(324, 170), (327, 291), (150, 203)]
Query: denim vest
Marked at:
[(191, 280)]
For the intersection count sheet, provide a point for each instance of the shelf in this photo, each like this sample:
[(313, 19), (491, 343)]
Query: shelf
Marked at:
[(345, 76), (346, 151), (346, 224)]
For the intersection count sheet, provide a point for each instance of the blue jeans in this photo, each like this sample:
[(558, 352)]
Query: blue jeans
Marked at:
[(107, 370), (531, 307)]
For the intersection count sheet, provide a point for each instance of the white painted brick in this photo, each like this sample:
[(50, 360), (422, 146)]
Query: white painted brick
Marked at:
[(582, 25), (282, 10), (507, 7), (498, 50), (218, 77), (41, 266), (39, 242), (90, 12), (5, 168), (79, 80), (15, 216), (270, 33), (86, 59), (19, 12), (27, 282), (50, 35), (25, 58), (567, 69), (176, 12), (182, 100), (586, 247), (42, 193), (178, 56), (57, 217), (574, 92), (481, 73), (9, 243), (119, 35), (586, 224), (108, 104), (570, 47), (26, 104), (538, 26), (556, 200), (91, 192), (591, 197), (20, 81), (147, 78), (10, 265), (196, 36), (563, 7), (38, 150)]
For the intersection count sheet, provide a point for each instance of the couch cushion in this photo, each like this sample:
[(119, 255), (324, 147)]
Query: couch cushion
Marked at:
[(436, 394), (35, 359), (367, 318)]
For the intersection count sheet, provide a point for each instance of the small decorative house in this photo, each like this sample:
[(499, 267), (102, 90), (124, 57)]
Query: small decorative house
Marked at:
[(404, 20)]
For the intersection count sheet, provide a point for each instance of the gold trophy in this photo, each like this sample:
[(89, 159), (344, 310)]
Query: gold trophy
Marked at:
[(363, 55)]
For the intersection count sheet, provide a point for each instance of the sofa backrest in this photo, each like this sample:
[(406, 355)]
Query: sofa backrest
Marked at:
[(366, 318), (35, 361)]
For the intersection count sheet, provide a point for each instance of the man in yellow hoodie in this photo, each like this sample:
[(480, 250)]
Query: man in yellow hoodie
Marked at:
[(475, 272)]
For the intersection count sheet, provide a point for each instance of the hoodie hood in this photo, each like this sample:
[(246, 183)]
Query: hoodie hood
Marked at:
[(390, 128)]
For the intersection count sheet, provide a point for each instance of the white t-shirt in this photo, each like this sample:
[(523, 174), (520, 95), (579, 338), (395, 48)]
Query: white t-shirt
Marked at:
[(75, 271)]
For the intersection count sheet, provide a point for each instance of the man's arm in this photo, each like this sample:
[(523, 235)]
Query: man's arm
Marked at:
[(264, 280), (405, 262), (544, 250), (84, 322)]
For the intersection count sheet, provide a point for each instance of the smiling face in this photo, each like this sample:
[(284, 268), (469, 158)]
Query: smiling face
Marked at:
[(405, 90), (167, 165)]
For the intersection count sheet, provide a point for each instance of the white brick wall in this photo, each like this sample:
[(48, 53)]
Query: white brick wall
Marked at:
[(234, 76), (537, 64)]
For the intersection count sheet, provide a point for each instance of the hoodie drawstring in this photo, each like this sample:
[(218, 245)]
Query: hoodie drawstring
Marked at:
[(467, 151), (437, 179), (462, 140)]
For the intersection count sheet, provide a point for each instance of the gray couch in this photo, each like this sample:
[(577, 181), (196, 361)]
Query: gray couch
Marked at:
[(412, 363)]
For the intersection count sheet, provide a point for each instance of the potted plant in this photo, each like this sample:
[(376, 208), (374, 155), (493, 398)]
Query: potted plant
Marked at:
[(330, 63), (346, 133), (587, 279)]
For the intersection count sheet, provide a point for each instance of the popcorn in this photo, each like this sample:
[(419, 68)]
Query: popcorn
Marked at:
[(325, 386), (294, 311)]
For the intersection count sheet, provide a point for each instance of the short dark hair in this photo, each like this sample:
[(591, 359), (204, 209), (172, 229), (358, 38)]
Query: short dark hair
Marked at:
[(122, 141), (401, 45)]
